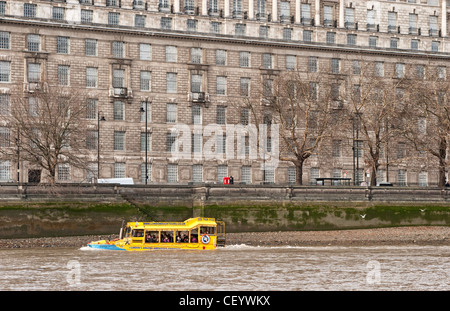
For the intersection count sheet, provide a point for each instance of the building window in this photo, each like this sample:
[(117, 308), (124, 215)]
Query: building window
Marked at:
[(196, 114), (197, 173), (62, 45), (139, 21), (312, 64), (63, 172), (221, 143), (91, 47), (245, 86), (171, 82), (307, 35), (119, 111), (269, 175), (331, 37), (221, 57), (149, 141), (313, 174), (191, 25), (287, 34), (379, 69), (373, 41), (118, 49), (328, 15), (5, 171), (196, 83), (336, 148), (34, 43), (146, 106), (4, 137), (4, 104), (433, 25), (245, 116), (351, 39), (171, 54), (29, 10), (240, 29), (87, 16), (306, 14), (119, 170), (292, 175), (113, 18), (171, 141), (216, 27), (118, 78), (145, 51), (349, 18), (196, 55), (91, 109), (2, 7), (392, 21), (171, 113), (166, 23), (58, 13), (393, 43), (246, 176), (91, 140), (146, 81), (263, 31), (5, 71), (143, 172), (413, 24), (172, 173), (34, 72), (356, 65), (414, 44), (119, 140), (222, 171), (4, 40), (197, 140), (244, 59), (221, 115), (221, 86), (63, 75), (291, 62), (423, 179), (91, 76), (335, 65), (401, 177), (371, 14), (399, 70), (435, 46), (267, 60)]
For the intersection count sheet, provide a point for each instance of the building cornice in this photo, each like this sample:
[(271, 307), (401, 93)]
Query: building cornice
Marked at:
[(227, 39)]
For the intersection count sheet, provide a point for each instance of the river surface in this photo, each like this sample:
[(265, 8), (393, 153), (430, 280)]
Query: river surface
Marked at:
[(233, 268)]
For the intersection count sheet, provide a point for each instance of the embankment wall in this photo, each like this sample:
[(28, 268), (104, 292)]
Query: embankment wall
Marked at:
[(84, 209)]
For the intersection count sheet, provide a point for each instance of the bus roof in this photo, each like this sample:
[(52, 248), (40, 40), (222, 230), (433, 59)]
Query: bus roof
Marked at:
[(169, 225)]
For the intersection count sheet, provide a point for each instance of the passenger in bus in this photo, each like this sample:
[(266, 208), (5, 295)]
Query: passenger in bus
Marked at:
[(193, 239)]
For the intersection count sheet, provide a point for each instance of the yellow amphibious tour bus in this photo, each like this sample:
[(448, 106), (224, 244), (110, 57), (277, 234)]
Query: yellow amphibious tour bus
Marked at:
[(194, 233)]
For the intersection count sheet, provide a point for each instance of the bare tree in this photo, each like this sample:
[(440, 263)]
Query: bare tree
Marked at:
[(301, 105), (373, 102), (50, 126), (428, 109)]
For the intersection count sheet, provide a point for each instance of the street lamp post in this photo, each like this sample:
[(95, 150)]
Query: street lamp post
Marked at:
[(98, 142), (146, 137)]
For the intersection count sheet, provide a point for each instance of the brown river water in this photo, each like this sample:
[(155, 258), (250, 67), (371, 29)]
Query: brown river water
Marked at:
[(233, 268)]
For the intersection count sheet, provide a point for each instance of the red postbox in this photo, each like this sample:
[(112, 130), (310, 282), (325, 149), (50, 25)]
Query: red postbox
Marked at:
[(226, 180)]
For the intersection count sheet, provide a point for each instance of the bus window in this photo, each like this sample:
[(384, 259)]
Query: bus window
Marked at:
[(182, 237), (194, 235), (151, 236), (207, 230), (137, 233), (166, 236), (127, 232)]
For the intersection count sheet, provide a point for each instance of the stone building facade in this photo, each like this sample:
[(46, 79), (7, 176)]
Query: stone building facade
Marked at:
[(189, 61)]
